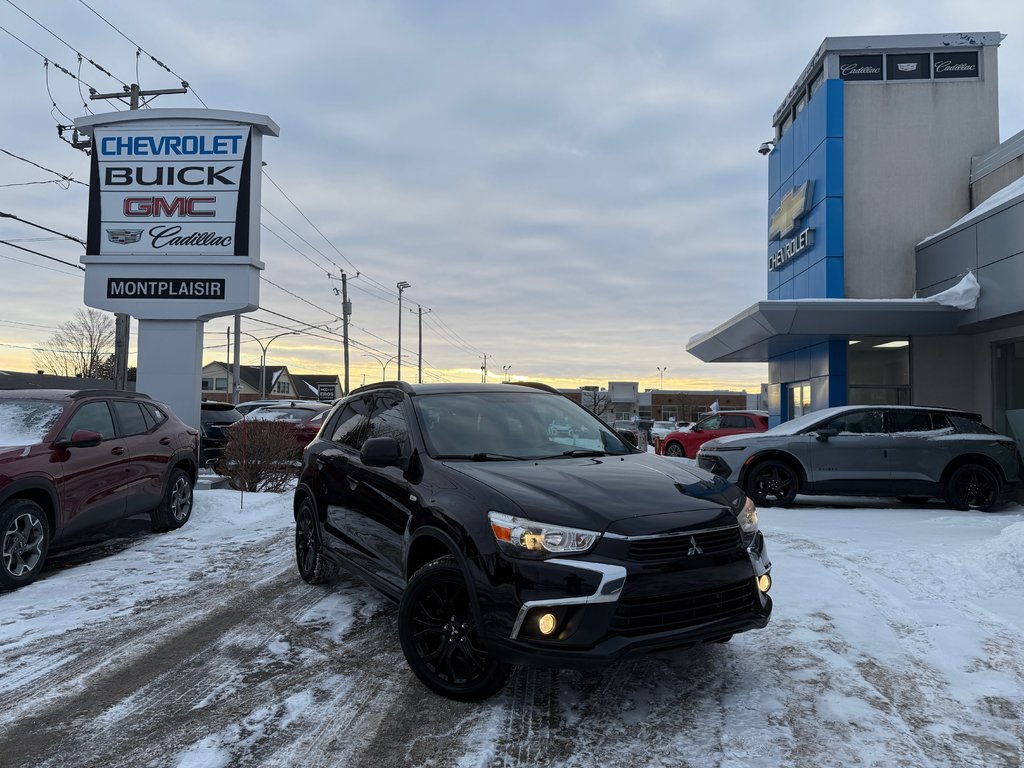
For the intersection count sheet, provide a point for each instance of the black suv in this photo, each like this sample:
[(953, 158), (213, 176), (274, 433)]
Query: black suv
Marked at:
[(505, 541)]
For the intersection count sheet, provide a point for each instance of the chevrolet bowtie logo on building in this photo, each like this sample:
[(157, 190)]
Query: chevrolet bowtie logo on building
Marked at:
[(793, 207), (124, 236)]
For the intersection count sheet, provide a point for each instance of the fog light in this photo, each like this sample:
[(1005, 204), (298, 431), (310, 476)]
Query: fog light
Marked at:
[(764, 582), (546, 623)]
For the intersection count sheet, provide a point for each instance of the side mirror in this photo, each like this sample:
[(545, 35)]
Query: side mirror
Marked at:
[(381, 452), (823, 435), (628, 436), (81, 438)]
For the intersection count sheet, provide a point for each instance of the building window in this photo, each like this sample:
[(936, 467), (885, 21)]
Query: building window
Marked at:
[(799, 399), (215, 384), (878, 371), (282, 387)]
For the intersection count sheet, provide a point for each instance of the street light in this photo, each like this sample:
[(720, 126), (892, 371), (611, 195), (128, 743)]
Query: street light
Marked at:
[(662, 372), (263, 357), (505, 370), (401, 287), (383, 364)]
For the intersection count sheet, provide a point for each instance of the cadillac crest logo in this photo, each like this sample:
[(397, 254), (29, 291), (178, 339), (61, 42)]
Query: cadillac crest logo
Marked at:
[(124, 236)]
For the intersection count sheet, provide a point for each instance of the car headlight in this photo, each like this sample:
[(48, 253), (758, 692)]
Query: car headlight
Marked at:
[(721, 448), (747, 517), (527, 538)]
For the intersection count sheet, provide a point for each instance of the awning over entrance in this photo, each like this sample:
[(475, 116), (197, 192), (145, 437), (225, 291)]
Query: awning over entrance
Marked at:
[(771, 328)]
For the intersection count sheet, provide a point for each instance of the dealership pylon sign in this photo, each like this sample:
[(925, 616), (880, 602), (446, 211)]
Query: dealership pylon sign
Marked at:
[(174, 201), (174, 232)]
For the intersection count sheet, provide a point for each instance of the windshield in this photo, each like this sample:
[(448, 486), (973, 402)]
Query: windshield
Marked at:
[(26, 422), (494, 426), (270, 413)]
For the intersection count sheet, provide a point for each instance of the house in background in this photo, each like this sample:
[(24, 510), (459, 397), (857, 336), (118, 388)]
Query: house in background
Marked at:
[(280, 384)]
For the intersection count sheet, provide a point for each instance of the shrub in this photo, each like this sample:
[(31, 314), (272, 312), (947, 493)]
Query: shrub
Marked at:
[(260, 456)]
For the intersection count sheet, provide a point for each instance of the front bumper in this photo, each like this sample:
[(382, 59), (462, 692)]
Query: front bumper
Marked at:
[(611, 608)]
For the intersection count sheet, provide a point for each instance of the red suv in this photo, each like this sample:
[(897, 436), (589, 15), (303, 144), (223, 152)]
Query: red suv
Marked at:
[(74, 460), (685, 442)]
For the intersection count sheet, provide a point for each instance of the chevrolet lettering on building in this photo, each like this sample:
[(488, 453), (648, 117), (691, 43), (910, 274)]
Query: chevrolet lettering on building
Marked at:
[(164, 288)]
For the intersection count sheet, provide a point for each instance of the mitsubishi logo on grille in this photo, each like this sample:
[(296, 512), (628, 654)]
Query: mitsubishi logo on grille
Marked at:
[(694, 548)]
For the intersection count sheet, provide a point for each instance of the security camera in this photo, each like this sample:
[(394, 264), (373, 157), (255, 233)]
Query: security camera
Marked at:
[(766, 147)]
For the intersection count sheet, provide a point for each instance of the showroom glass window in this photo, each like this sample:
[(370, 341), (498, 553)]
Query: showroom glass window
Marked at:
[(878, 371)]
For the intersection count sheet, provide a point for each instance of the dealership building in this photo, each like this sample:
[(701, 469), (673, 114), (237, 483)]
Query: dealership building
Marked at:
[(895, 235)]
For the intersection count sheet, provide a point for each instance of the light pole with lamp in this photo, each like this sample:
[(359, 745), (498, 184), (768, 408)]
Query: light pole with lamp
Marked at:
[(401, 287), (383, 364), (505, 371), (661, 371), (263, 357)]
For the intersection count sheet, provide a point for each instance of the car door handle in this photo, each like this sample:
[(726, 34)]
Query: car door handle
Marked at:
[(165, 441), (353, 483), (117, 451)]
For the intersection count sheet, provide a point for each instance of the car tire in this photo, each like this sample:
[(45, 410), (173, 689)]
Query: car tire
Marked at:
[(24, 542), (313, 567), (675, 450), (772, 483), (973, 486), (440, 637), (176, 507)]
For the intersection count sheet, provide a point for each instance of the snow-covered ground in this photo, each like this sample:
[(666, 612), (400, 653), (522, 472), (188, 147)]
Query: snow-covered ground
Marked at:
[(896, 641)]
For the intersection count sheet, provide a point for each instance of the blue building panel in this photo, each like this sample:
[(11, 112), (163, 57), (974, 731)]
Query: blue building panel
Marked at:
[(811, 150)]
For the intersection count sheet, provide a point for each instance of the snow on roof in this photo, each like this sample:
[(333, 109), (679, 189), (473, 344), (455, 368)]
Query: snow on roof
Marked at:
[(1007, 194)]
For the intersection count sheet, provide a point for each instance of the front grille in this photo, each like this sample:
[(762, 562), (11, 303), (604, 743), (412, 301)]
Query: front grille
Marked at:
[(643, 615), (708, 542)]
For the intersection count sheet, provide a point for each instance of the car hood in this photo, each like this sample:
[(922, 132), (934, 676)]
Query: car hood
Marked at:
[(629, 494), (740, 439)]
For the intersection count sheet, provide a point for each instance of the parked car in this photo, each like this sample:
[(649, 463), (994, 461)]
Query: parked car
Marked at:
[(71, 461), (305, 417), (912, 453), (503, 545), (685, 442), (215, 420), (252, 405), (661, 429)]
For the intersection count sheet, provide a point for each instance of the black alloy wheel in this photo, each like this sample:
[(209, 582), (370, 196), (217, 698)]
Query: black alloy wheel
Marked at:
[(439, 635), (772, 483), (675, 449), (973, 486), (176, 506), (24, 542), (314, 568)]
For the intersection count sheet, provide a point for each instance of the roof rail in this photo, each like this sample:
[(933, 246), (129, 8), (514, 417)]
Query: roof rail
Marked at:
[(402, 385), (107, 393), (538, 385)]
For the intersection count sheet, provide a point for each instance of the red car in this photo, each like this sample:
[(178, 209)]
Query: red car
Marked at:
[(305, 418), (685, 442), (73, 460)]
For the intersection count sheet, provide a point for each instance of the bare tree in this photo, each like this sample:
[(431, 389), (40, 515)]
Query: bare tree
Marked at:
[(80, 346)]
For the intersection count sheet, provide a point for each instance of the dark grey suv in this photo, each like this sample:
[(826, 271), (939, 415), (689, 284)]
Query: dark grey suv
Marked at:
[(910, 452)]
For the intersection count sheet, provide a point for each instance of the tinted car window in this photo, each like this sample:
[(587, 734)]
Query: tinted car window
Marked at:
[(26, 422), (388, 421), (970, 426), (736, 421), (130, 418), (158, 416), (912, 421), (858, 422), (92, 416), (711, 422), (348, 427)]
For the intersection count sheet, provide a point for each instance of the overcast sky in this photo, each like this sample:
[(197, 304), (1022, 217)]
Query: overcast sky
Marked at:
[(571, 188)]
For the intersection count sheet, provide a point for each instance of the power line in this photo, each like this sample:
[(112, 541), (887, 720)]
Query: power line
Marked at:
[(81, 55), (62, 176), (32, 263), (143, 50), (37, 253), (5, 215)]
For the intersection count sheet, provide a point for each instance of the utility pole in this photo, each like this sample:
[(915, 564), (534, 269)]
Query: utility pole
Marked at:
[(419, 377), (483, 371), (346, 310), (122, 321), (402, 285)]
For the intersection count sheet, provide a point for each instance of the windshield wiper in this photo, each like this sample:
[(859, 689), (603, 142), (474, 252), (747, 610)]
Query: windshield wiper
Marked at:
[(581, 452)]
